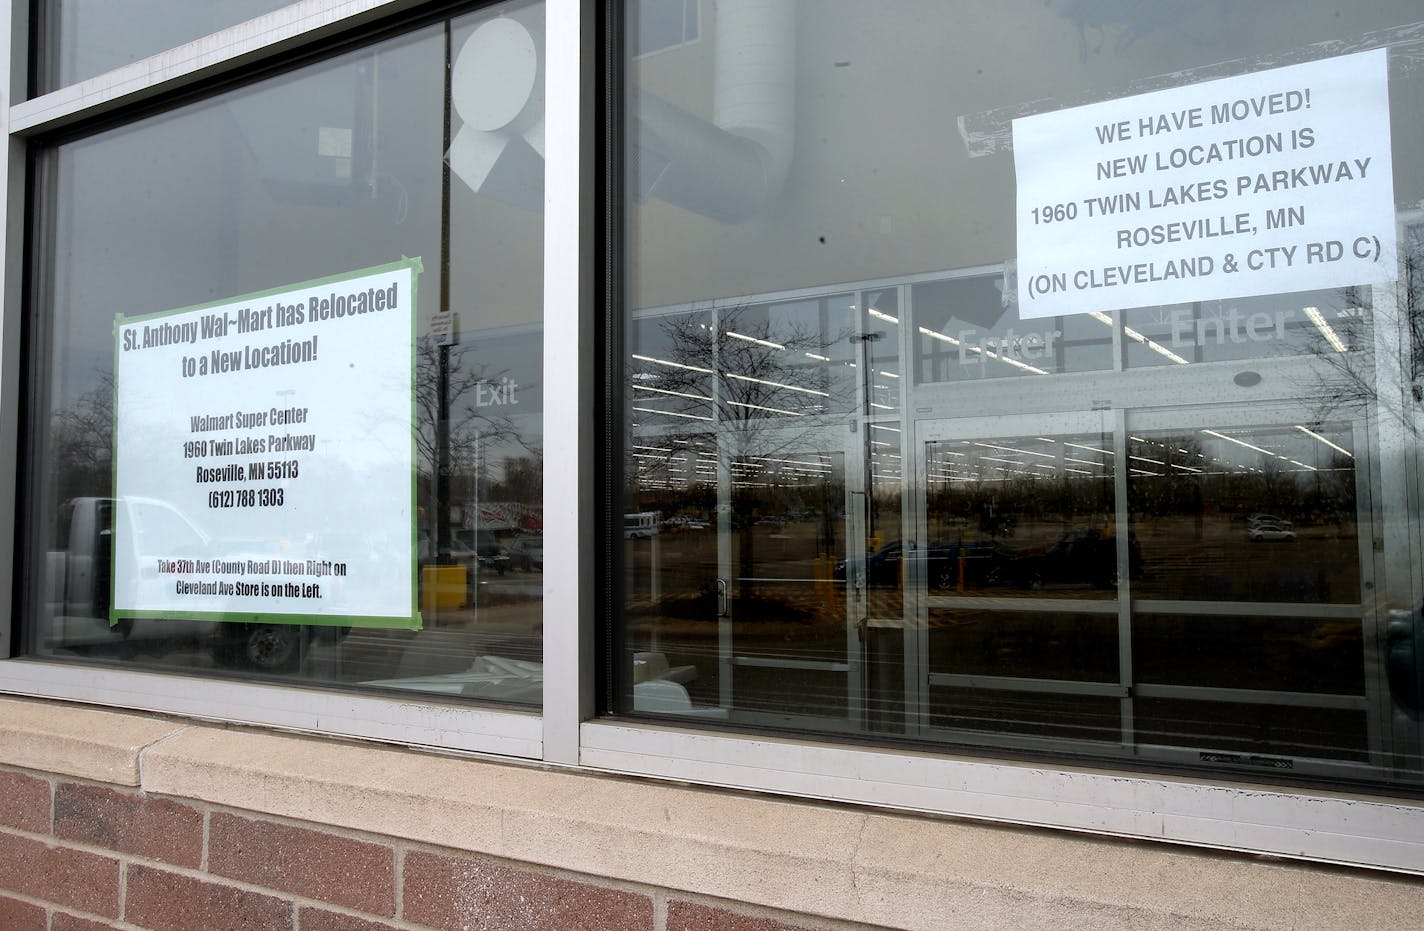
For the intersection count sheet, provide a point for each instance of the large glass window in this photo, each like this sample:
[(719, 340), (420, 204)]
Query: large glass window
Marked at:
[(287, 392), (81, 38), (1045, 380)]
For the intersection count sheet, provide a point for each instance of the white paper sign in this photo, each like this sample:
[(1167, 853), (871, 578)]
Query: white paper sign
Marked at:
[(263, 462), (1270, 182)]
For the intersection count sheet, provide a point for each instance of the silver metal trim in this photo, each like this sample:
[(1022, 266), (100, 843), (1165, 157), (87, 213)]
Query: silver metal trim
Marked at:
[(1254, 696), (1026, 604), (769, 662), (568, 378), (421, 719), (240, 46), (1020, 684), (1252, 610)]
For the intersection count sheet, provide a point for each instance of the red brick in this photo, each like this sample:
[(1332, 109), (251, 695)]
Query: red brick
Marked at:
[(316, 919), (314, 864), (20, 916), (158, 828), (63, 922), (689, 916), (164, 901), (475, 895), (77, 878), (24, 802)]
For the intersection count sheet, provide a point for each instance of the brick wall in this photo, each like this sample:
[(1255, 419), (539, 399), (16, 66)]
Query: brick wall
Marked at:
[(82, 856)]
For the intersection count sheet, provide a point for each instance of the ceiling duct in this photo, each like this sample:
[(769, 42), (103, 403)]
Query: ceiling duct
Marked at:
[(731, 168)]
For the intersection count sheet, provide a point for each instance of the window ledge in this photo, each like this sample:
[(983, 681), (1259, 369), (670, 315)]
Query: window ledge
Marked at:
[(799, 856), (101, 745)]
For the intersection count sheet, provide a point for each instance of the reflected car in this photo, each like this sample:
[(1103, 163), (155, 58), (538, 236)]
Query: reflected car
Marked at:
[(1266, 531), (527, 553), (468, 547), (942, 564), (1074, 557)]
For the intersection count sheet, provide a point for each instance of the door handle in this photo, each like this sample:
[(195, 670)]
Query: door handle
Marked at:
[(723, 602)]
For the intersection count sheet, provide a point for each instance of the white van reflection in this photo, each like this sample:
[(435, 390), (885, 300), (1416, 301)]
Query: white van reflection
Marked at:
[(79, 580)]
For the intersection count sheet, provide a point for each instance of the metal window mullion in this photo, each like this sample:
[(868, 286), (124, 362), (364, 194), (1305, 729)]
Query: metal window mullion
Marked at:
[(568, 378), (14, 45), (1123, 529)]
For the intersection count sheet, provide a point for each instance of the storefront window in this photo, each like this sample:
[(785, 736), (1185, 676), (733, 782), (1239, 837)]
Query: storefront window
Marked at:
[(81, 38), (1046, 381), (288, 354)]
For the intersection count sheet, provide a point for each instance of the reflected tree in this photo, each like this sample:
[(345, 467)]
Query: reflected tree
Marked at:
[(764, 394), (1352, 378), (82, 442)]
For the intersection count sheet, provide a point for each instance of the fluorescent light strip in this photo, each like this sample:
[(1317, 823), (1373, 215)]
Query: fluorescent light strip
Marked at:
[(1317, 318), (818, 463), (653, 410), (777, 384), (878, 315), (1132, 334), (1311, 433), (1155, 346), (889, 374), (985, 352), (758, 407), (1010, 449), (1232, 439), (676, 365), (752, 339), (1105, 452), (818, 358), (680, 394)]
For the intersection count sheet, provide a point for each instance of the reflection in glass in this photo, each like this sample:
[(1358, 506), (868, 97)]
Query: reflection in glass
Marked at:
[(1022, 516), (1236, 651), (222, 197), (966, 328), (1026, 714), (1309, 323), (1260, 514), (1025, 645), (1194, 572), (82, 38), (1259, 735)]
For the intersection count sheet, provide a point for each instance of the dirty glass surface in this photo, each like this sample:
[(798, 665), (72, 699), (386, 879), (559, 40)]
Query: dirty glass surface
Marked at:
[(357, 162), (950, 416)]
